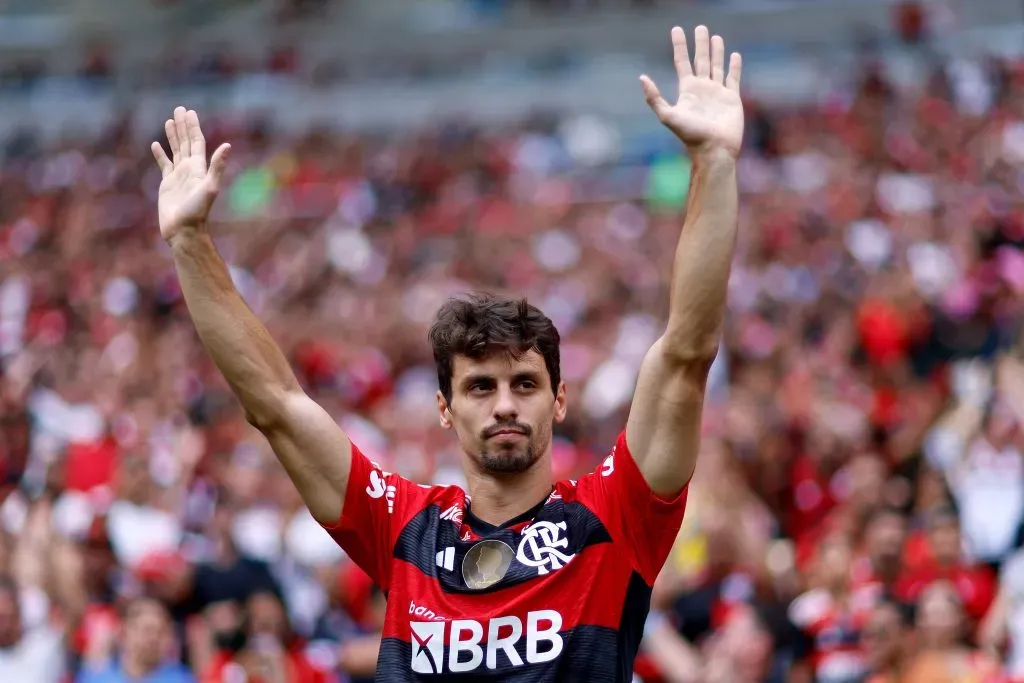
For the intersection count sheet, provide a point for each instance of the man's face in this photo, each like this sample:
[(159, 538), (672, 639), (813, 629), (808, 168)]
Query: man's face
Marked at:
[(884, 540), (267, 616), (945, 539), (502, 410), (882, 637), (146, 632)]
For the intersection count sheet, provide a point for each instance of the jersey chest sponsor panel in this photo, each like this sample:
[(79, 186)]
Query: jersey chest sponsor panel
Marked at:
[(560, 593)]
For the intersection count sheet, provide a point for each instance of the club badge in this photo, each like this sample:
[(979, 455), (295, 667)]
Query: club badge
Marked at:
[(486, 564)]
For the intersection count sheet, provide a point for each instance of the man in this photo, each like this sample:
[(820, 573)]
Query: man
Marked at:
[(579, 556), (884, 638), (260, 644), (975, 583), (145, 652), (828, 619), (26, 653)]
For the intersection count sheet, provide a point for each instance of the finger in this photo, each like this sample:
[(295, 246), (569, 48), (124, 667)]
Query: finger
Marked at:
[(182, 129), (701, 53), (172, 140), (653, 96), (732, 81), (217, 165), (161, 159), (195, 135), (717, 59), (681, 54)]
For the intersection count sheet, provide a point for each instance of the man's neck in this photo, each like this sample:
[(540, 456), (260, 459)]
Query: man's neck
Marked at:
[(497, 498)]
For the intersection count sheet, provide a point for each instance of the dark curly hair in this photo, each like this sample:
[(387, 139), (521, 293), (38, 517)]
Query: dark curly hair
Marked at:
[(479, 325)]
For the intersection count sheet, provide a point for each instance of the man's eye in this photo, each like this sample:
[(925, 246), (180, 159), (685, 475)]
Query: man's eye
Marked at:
[(527, 384)]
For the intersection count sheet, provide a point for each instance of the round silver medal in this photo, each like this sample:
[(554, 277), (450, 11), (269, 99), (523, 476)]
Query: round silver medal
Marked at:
[(486, 564)]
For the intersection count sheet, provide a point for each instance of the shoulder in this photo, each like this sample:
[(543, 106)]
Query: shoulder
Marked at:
[(177, 673), (412, 498), (564, 490)]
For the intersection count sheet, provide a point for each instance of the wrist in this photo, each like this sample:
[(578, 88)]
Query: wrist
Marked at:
[(712, 154), (185, 235)]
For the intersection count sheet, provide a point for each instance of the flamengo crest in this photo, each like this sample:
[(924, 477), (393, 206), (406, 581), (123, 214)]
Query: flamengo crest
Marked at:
[(540, 547)]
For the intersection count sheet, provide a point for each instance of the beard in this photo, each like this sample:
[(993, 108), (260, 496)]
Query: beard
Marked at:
[(513, 459), (508, 456)]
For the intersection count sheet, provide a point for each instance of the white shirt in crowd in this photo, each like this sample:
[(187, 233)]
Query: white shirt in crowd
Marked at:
[(38, 658)]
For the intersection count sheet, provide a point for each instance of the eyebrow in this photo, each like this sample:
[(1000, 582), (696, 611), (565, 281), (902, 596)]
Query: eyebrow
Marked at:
[(472, 379)]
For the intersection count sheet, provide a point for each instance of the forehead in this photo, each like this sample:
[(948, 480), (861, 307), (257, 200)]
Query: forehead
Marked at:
[(145, 610), (498, 365)]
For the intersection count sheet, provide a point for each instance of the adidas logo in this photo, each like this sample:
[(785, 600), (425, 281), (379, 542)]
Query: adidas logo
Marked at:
[(446, 559)]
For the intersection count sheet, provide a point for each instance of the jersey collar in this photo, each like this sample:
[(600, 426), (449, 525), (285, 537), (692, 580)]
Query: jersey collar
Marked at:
[(482, 528)]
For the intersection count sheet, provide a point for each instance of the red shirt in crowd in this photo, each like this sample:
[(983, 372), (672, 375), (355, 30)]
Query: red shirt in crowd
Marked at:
[(975, 585), (224, 669)]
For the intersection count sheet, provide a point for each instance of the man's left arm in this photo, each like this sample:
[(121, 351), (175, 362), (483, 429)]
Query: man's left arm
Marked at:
[(663, 430)]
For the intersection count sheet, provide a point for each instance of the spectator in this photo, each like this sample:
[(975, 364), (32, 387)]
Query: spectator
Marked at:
[(27, 653), (1002, 630), (944, 656), (146, 653), (945, 561), (886, 638), (260, 644), (830, 617)]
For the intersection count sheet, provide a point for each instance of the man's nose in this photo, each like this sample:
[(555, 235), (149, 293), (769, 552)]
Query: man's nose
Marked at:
[(505, 408)]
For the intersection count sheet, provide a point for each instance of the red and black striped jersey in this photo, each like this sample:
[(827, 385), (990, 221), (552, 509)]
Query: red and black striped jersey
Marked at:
[(559, 593)]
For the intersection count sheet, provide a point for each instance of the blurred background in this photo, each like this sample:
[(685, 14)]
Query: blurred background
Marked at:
[(857, 511)]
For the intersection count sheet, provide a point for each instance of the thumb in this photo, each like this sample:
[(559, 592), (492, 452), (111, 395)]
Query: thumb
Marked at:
[(218, 163), (653, 97)]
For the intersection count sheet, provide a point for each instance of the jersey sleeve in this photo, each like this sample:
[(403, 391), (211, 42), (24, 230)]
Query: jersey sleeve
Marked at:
[(377, 506), (639, 521)]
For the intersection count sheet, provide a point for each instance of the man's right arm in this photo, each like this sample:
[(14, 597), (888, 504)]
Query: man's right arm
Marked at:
[(308, 442)]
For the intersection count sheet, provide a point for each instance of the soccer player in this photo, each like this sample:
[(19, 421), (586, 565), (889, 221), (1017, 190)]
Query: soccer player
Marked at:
[(520, 578)]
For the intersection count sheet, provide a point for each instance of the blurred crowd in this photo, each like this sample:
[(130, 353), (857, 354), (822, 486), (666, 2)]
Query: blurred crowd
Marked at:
[(857, 509)]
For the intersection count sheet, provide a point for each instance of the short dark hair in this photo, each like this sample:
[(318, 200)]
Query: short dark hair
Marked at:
[(478, 325), (134, 607)]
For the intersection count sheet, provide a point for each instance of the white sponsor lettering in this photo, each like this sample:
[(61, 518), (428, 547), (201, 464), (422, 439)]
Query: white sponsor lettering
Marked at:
[(535, 635), (506, 644), (421, 611), (540, 547), (468, 652), (608, 465), (459, 644), (377, 485), (378, 488)]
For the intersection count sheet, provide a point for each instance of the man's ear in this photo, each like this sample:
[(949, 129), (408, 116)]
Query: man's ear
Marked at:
[(560, 405), (444, 411)]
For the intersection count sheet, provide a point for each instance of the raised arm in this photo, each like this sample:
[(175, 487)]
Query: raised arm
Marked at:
[(308, 442), (663, 431)]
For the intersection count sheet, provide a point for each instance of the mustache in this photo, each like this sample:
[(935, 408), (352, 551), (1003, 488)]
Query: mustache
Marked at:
[(525, 429)]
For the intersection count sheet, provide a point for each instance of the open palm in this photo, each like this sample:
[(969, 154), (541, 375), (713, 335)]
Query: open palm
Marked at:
[(708, 113), (188, 188)]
